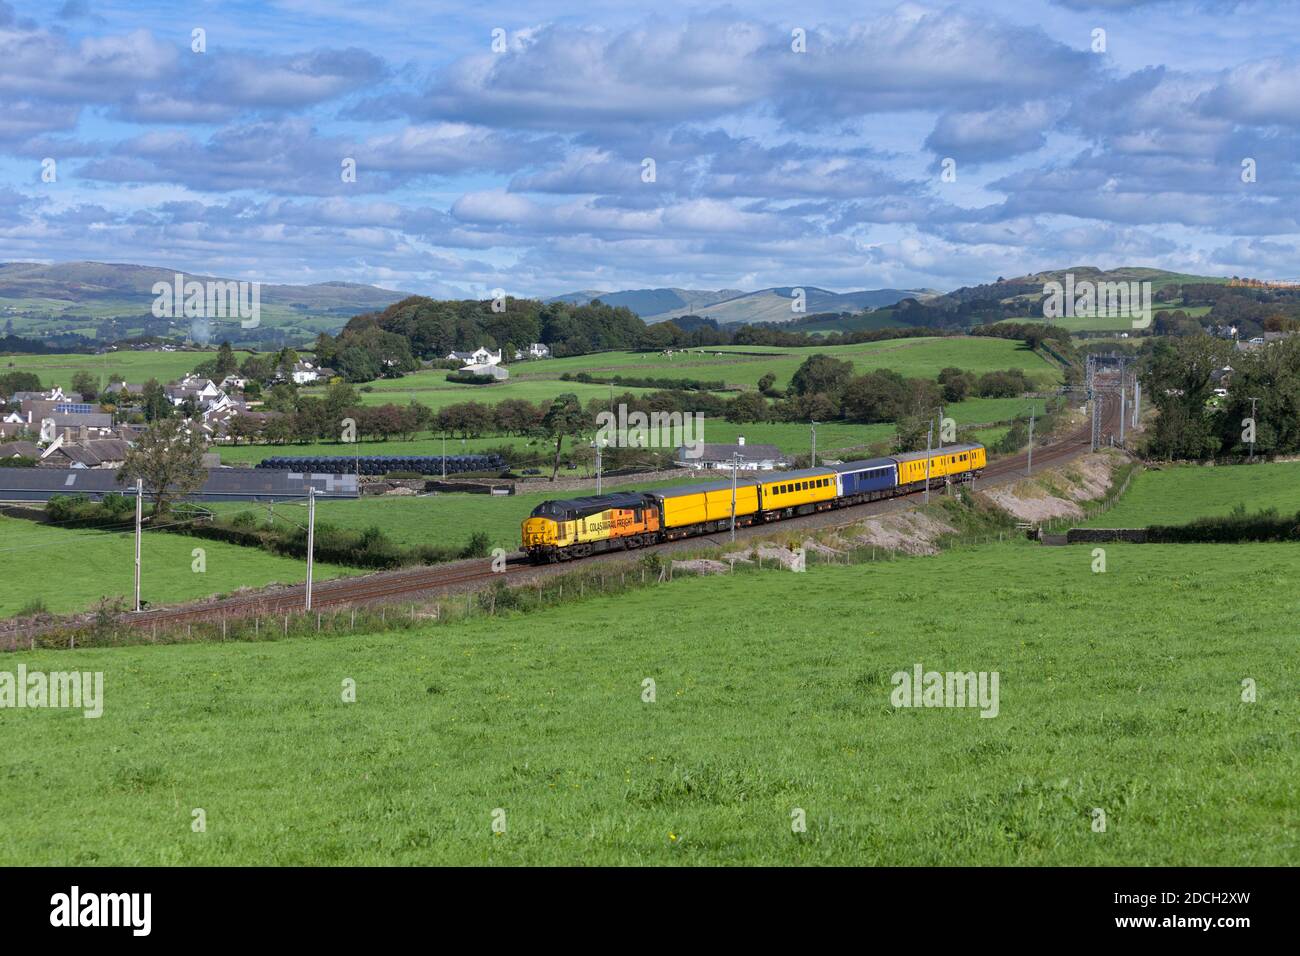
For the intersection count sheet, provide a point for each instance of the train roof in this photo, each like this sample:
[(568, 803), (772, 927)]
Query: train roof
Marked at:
[(864, 465), (935, 452), (701, 487), (573, 508), (779, 476)]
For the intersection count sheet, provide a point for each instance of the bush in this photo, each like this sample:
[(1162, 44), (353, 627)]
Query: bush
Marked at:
[(1266, 525), (117, 503), (479, 546), (469, 378), (33, 608)]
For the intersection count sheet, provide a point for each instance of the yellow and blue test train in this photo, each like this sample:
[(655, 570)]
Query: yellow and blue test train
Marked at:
[(578, 527)]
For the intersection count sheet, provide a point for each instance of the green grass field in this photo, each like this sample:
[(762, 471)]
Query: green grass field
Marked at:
[(790, 437), (1183, 493), (71, 569), (432, 388), (919, 357), (138, 367), (1118, 691), (444, 519)]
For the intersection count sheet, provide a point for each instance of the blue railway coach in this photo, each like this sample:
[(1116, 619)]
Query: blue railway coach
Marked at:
[(867, 480)]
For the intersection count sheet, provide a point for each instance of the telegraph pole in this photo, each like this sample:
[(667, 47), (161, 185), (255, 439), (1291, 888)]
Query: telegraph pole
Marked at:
[(929, 439), (311, 538), (735, 464), (1029, 470), (1137, 400), (1123, 407), (812, 462), (444, 458), (596, 445), (139, 514)]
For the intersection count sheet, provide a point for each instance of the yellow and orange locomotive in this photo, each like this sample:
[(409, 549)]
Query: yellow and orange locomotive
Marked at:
[(578, 527)]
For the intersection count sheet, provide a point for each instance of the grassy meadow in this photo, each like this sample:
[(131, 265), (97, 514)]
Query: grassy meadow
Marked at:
[(791, 437), (70, 570), (745, 365), (1178, 494), (443, 519), (772, 696), (137, 367)]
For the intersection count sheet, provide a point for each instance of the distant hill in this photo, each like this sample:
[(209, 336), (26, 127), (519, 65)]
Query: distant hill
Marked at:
[(651, 302), (732, 306), (82, 282), (1031, 286), (114, 300)]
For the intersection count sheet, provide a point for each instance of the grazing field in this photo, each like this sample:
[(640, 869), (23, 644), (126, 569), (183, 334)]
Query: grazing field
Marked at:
[(745, 365), (72, 569), (138, 367), (791, 437), (1182, 493), (431, 388), (424, 444), (1119, 692), (443, 520)]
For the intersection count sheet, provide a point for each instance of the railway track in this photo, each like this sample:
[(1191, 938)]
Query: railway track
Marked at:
[(472, 574)]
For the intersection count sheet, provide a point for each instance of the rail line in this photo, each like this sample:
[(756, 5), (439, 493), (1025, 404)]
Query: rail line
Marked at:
[(467, 575)]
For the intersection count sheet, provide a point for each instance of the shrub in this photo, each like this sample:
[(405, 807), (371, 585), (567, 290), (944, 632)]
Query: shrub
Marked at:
[(479, 546)]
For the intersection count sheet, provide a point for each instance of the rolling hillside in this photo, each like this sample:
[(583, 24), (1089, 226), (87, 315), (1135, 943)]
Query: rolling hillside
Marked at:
[(102, 299), (731, 306)]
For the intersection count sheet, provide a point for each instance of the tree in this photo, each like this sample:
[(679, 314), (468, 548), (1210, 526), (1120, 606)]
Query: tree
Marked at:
[(766, 382), (747, 407), (154, 401), (12, 382), (86, 384), (516, 416), (875, 397), (821, 373), (956, 384), (243, 426), (227, 364), (564, 417), (169, 457)]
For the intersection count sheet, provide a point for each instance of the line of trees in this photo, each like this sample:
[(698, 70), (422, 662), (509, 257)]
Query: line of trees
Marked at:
[(1180, 377)]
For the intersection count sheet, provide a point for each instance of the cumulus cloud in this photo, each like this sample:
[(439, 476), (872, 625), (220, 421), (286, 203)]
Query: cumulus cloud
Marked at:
[(771, 166)]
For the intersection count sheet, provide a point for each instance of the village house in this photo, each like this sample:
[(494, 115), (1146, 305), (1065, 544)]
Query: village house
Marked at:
[(96, 453), (480, 356), (305, 373), (720, 457), (535, 351)]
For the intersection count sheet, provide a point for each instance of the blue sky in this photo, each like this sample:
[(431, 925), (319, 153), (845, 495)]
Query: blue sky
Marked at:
[(523, 168)]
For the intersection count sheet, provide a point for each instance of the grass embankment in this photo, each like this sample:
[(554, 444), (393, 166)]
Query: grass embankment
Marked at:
[(1119, 691), (1178, 494), (72, 570)]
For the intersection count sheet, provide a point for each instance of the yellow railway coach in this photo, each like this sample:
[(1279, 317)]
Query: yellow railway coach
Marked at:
[(811, 489), (952, 460), (687, 506)]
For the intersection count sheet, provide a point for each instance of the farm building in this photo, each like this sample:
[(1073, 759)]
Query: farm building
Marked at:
[(720, 456)]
